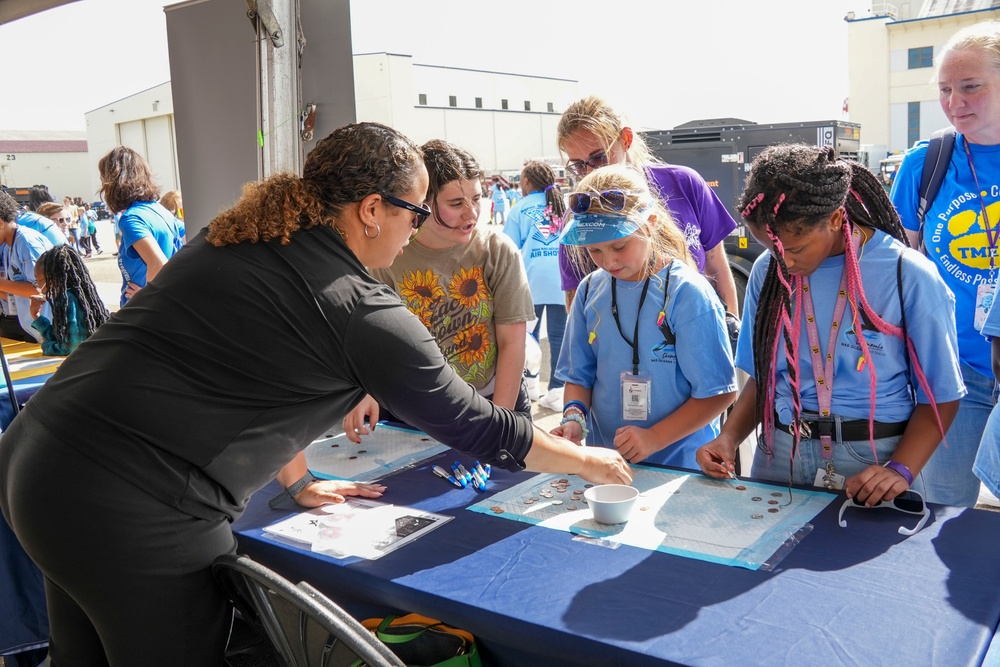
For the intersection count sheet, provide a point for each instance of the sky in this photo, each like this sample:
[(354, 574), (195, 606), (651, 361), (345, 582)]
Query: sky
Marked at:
[(662, 62)]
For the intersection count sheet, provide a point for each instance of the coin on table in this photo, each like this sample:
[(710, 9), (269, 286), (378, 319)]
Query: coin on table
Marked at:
[(557, 502), (741, 488), (756, 516), (574, 497), (756, 499), (776, 494), (362, 451), (353, 457), (571, 507), (772, 502), (773, 510)]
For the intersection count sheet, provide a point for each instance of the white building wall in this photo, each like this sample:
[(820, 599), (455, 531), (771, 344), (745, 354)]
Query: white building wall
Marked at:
[(65, 174), (881, 85), (387, 89), (143, 122)]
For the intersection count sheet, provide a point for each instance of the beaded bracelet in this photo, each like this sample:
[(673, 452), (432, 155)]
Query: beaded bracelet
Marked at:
[(576, 404), (903, 471), (579, 419)]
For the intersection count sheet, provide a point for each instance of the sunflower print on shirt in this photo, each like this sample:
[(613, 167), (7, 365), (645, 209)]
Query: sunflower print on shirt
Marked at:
[(457, 310)]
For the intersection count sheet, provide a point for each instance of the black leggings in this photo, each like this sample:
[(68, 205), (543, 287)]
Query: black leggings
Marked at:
[(127, 577)]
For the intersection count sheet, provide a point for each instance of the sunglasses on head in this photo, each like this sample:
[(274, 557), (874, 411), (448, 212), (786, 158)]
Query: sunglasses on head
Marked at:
[(422, 212), (908, 502), (611, 200), (581, 168)]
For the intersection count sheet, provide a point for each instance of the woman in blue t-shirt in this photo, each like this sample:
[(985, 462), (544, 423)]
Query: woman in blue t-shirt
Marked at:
[(148, 233)]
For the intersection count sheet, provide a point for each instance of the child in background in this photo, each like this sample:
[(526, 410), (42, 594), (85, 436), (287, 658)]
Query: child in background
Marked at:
[(77, 308), (833, 368), (172, 201), (466, 284), (533, 224), (646, 359), (499, 195)]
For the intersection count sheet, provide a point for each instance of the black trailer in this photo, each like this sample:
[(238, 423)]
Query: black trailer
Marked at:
[(721, 150)]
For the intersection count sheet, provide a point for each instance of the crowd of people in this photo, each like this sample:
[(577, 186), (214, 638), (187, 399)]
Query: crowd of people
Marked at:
[(365, 288)]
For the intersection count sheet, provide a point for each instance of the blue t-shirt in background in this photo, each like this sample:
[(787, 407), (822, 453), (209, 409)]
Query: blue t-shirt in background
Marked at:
[(538, 241), (955, 231), (139, 221)]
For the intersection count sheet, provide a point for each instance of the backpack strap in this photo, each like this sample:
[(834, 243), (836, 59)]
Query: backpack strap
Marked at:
[(936, 161), (906, 334)]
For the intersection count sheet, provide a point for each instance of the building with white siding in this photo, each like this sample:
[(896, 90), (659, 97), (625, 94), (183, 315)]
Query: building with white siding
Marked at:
[(57, 159), (892, 87)]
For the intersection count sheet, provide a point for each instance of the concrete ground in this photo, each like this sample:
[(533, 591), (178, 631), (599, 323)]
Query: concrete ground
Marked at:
[(104, 270)]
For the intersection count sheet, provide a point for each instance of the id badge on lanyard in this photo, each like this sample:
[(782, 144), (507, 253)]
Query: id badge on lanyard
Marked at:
[(984, 301), (635, 396), (11, 304)]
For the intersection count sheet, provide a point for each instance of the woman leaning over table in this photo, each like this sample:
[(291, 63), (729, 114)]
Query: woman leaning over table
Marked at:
[(960, 237), (152, 496)]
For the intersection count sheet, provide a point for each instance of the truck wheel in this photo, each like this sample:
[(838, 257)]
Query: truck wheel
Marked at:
[(741, 288)]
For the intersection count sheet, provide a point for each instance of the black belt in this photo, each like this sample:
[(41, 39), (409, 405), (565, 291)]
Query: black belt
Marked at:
[(855, 429)]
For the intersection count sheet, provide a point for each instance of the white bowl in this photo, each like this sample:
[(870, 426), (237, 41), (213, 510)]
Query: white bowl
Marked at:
[(611, 503)]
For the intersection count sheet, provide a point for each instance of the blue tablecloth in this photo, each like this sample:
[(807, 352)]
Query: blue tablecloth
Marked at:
[(862, 595)]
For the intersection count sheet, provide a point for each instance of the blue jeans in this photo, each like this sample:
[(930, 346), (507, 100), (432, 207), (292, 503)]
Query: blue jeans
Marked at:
[(948, 475), (555, 327), (987, 467), (849, 458)]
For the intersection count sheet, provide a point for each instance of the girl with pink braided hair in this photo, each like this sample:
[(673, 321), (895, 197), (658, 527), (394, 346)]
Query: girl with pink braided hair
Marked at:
[(847, 335)]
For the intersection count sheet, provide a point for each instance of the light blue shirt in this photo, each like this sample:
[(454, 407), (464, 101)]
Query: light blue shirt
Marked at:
[(538, 241), (930, 323), (699, 364), (43, 225), (19, 261)]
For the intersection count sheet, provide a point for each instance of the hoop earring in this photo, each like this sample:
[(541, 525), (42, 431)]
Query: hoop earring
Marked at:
[(377, 233)]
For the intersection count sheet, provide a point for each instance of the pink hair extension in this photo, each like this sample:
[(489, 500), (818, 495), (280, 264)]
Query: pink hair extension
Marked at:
[(781, 200), (856, 295), (790, 331), (753, 204)]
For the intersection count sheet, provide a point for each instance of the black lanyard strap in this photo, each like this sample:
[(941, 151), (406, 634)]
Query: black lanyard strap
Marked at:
[(634, 343)]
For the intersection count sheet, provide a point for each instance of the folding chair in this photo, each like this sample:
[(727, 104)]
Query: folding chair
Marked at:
[(305, 628)]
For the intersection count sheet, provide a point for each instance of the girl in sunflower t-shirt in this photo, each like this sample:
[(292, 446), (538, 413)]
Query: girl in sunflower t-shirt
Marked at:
[(466, 284)]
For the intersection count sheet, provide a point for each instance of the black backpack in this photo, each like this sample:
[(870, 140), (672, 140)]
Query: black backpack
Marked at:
[(936, 161)]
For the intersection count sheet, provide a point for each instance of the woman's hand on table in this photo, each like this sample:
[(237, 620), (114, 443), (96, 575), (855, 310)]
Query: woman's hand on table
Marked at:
[(354, 422), (333, 491), (605, 466)]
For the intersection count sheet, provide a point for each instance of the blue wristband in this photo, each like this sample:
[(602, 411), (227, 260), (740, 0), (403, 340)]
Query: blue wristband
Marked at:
[(577, 404)]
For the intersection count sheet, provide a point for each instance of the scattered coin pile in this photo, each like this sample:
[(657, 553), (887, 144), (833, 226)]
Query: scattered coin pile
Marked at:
[(560, 486)]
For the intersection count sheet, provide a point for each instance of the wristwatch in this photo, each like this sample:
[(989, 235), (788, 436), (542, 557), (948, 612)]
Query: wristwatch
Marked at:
[(286, 499)]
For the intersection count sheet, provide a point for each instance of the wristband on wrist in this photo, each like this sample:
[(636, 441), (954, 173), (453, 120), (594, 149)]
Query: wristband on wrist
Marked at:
[(579, 419), (286, 499), (903, 471), (576, 404)]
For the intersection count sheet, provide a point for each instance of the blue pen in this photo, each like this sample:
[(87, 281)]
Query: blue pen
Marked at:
[(478, 482), (489, 470), (442, 473), (468, 476), (481, 470), (459, 475)]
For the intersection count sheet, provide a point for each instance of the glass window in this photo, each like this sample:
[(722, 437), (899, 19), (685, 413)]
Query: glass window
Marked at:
[(912, 123), (452, 101), (479, 103), (423, 99), (920, 58), (503, 104), (551, 107), (527, 105)]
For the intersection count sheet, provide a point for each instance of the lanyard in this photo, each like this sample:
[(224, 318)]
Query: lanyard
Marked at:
[(634, 343), (991, 232), (823, 369)]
